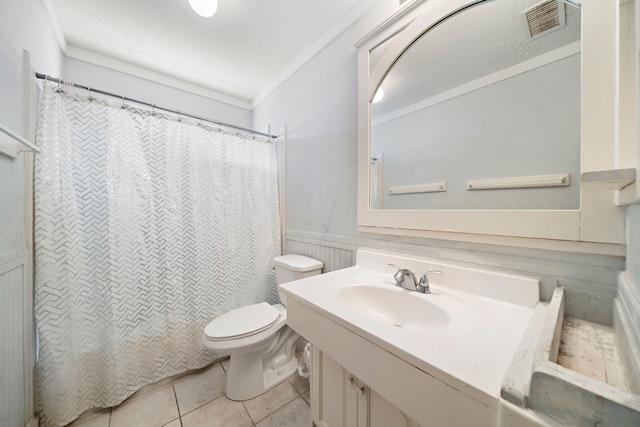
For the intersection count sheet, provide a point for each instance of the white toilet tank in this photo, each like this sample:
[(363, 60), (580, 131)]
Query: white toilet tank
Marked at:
[(294, 267)]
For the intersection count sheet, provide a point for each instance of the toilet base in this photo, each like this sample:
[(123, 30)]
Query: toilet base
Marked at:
[(252, 374)]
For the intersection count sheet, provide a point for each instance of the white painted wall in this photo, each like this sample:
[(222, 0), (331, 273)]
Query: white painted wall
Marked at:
[(120, 83)]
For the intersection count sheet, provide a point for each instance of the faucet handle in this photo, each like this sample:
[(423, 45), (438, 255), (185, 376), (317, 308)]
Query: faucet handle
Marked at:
[(425, 276), (423, 286), (398, 275)]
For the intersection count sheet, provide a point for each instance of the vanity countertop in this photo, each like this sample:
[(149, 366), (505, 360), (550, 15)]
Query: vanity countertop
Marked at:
[(471, 354)]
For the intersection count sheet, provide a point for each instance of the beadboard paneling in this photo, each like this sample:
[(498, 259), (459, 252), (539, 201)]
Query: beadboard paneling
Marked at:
[(334, 257), (13, 370), (590, 281)]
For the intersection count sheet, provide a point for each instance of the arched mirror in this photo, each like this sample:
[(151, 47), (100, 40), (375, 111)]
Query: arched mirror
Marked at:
[(489, 95), (492, 110)]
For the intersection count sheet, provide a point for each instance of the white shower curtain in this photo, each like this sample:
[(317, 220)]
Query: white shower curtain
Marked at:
[(146, 228)]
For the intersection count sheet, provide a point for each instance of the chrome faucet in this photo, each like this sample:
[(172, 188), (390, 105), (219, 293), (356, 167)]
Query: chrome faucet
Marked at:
[(423, 286), (406, 279)]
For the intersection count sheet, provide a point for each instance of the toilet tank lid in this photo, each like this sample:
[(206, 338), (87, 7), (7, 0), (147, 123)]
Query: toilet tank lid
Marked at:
[(297, 262)]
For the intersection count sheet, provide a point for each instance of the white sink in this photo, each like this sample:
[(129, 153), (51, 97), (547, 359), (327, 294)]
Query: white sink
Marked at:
[(394, 306)]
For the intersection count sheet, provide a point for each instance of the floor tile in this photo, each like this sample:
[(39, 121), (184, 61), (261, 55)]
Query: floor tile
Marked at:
[(221, 412), (265, 404), (299, 383), (225, 364), (196, 390), (307, 396), (97, 420), (294, 414), (151, 410), (174, 423)]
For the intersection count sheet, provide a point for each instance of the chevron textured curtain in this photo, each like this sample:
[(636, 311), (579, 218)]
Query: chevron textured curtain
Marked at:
[(146, 228)]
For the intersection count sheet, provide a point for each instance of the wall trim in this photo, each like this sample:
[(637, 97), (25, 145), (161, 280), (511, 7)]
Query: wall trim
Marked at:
[(79, 54), (461, 250), (627, 325), (56, 28), (18, 259), (12, 259)]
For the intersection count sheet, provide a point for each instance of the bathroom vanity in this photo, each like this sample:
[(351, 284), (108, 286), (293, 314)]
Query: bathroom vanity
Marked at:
[(387, 356), (481, 349)]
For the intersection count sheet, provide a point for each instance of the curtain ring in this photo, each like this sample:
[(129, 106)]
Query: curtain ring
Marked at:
[(123, 104), (91, 98)]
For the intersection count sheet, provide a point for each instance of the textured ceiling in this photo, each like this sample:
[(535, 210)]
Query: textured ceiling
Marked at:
[(239, 51), (469, 45)]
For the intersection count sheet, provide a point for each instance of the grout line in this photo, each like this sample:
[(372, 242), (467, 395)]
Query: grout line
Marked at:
[(175, 397), (253, 423)]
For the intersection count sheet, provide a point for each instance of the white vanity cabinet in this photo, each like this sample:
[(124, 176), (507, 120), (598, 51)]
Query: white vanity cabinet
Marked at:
[(431, 360), (394, 393), (340, 399)]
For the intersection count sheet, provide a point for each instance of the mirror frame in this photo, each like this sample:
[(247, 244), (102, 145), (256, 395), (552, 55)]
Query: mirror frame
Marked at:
[(598, 221)]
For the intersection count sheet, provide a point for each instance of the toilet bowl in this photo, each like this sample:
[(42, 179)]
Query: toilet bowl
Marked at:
[(256, 337)]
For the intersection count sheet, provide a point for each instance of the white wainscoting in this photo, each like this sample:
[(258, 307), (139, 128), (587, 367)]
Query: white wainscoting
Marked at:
[(627, 323), (590, 280), (16, 387), (334, 255)]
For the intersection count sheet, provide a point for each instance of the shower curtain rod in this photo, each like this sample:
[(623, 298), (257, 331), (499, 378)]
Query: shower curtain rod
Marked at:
[(153, 106)]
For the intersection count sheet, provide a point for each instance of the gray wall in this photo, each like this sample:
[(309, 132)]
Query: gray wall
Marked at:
[(134, 87), (530, 126), (22, 26), (318, 104)]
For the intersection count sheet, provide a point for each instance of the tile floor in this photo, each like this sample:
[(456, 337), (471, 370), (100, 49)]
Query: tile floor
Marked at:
[(198, 400)]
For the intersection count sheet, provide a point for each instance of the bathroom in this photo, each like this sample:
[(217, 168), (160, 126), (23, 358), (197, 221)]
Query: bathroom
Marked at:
[(317, 106)]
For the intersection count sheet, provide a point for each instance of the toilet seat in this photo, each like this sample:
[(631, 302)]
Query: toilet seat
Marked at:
[(242, 322)]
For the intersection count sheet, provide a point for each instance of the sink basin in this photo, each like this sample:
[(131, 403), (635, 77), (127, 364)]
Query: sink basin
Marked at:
[(394, 306)]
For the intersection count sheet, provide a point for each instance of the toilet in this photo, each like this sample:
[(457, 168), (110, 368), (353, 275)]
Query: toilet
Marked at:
[(260, 344)]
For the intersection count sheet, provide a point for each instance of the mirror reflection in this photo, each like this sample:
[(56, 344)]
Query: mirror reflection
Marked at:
[(482, 112)]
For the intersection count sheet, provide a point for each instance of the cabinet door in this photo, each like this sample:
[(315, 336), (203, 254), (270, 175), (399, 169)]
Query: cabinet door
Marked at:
[(384, 414), (339, 399), (327, 390), (356, 408)]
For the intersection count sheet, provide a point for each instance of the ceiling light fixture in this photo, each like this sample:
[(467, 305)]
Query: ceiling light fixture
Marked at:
[(205, 8)]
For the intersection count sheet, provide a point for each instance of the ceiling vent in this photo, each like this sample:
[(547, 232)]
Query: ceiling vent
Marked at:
[(544, 17)]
